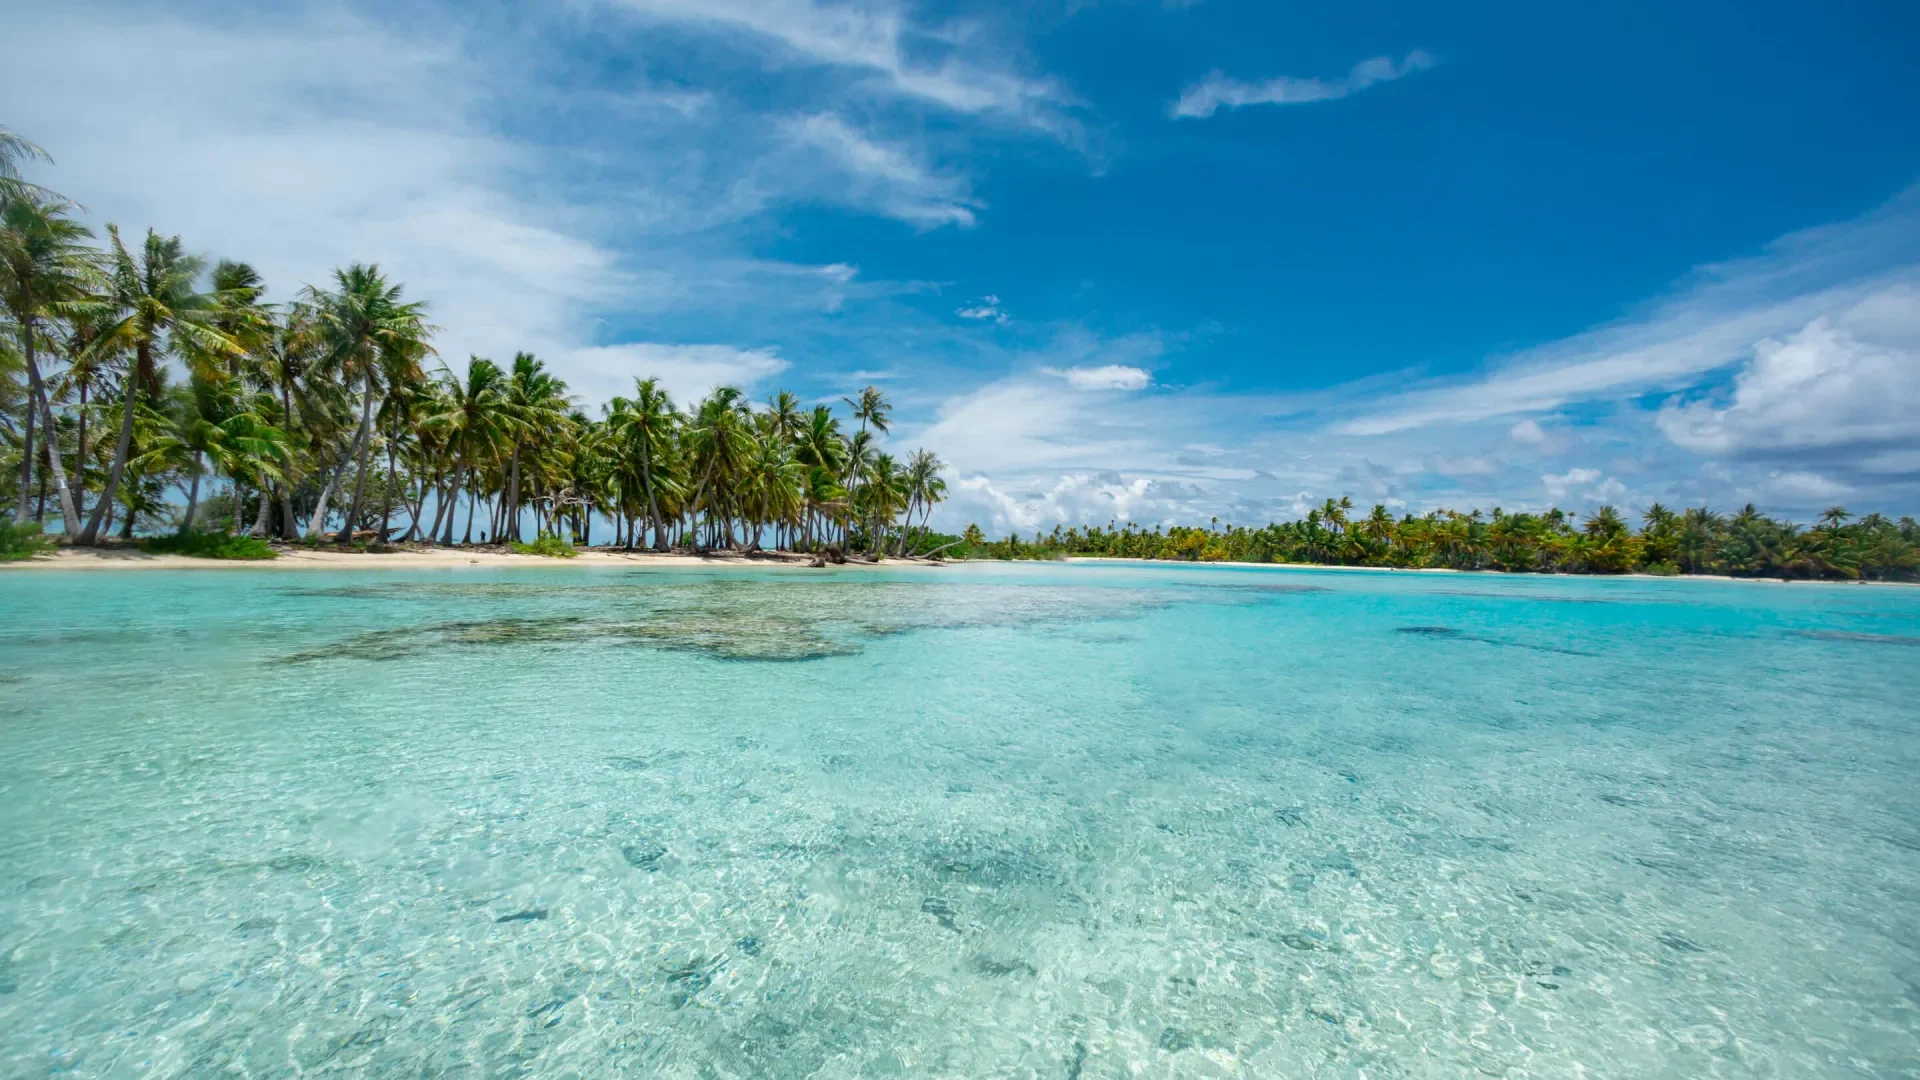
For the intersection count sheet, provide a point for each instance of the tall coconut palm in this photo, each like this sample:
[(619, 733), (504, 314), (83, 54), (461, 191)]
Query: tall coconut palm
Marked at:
[(643, 429), (476, 427), (925, 488), (93, 352), (821, 449), (369, 333), (46, 271), (536, 404), (871, 407), (719, 443), (161, 309), (291, 355)]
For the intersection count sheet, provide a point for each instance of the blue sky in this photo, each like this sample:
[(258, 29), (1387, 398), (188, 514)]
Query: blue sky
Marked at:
[(1135, 259)]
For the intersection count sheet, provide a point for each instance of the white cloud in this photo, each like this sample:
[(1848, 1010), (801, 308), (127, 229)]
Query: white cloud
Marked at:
[(1848, 271), (954, 65), (307, 138), (689, 372), (887, 179), (304, 147), (1818, 390), (1558, 486), (987, 308), (1107, 377), (1800, 486), (1218, 91), (1528, 431), (1071, 498)]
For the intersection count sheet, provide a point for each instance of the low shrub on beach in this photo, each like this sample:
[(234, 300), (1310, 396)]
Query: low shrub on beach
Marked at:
[(206, 545), (22, 540), (551, 546)]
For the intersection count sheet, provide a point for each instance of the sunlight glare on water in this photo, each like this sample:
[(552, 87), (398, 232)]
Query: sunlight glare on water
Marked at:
[(1052, 821)]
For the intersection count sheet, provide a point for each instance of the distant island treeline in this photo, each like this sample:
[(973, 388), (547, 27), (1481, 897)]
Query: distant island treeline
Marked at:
[(1838, 547)]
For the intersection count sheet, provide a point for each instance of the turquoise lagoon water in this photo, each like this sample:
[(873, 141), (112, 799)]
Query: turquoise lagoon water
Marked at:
[(1051, 821)]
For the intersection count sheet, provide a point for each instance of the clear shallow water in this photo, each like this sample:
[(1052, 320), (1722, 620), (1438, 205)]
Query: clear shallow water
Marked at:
[(1081, 821)]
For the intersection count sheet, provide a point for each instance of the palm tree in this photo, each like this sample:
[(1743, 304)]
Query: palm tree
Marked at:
[(368, 332), (14, 150), (536, 403), (92, 351), (642, 428), (871, 408), (883, 491), (925, 488), (476, 427), (291, 355), (161, 309), (46, 271), (719, 443)]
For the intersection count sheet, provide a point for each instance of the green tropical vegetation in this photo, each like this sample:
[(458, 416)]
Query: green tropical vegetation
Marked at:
[(550, 546), (135, 375), (209, 545), (21, 540), (1694, 541)]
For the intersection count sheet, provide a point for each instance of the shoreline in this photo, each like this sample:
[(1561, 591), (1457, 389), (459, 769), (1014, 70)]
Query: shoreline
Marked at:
[(493, 557), (1324, 567), (303, 558)]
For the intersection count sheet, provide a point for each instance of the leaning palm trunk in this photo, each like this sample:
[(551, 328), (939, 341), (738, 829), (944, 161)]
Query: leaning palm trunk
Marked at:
[(260, 516), (365, 444), (452, 504), (143, 358), (317, 522), (69, 516), (193, 494), (287, 522)]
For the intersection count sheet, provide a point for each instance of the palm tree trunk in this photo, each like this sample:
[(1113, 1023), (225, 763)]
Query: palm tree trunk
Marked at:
[(416, 507), (69, 516), (513, 496), (26, 459), (386, 505), (452, 504), (80, 458), (40, 506), (260, 517), (473, 497), (653, 504), (143, 358), (317, 521), (366, 444), (287, 523), (193, 494)]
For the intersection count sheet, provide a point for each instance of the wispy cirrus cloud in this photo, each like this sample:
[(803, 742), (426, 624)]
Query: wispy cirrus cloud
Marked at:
[(1219, 91), (954, 64), (1862, 273), (885, 178)]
